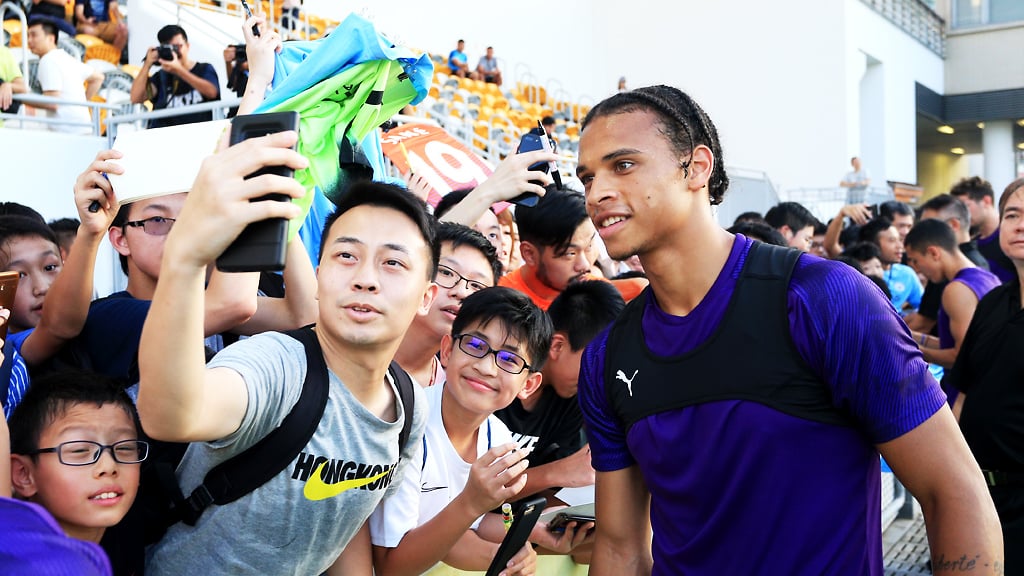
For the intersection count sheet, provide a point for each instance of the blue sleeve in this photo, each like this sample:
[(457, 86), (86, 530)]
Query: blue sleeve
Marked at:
[(854, 340), (18, 340), (605, 432)]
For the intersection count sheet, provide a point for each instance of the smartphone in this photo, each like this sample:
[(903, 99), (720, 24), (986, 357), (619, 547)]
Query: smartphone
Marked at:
[(248, 14), (525, 516), (558, 523), (262, 245), (536, 139), (8, 288)]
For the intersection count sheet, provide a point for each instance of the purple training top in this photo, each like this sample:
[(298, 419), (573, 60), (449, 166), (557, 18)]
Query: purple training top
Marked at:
[(980, 282), (740, 488)]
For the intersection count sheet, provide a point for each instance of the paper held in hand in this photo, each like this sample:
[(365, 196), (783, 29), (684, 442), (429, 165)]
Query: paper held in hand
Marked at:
[(163, 161)]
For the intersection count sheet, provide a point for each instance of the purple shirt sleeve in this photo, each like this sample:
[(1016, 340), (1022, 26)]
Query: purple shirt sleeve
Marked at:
[(852, 338), (602, 425)]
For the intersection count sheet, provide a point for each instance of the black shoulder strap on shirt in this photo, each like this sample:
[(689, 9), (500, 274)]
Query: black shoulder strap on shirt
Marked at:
[(247, 471)]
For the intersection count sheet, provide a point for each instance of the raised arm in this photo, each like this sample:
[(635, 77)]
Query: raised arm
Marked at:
[(179, 399), (511, 178), (140, 85), (261, 51), (298, 307), (67, 302), (859, 213), (934, 462)]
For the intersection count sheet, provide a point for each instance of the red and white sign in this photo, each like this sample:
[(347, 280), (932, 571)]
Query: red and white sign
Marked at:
[(432, 153)]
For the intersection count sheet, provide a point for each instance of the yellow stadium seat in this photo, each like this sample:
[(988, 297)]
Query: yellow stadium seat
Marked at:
[(501, 104), (96, 48), (13, 27), (434, 92), (132, 69)]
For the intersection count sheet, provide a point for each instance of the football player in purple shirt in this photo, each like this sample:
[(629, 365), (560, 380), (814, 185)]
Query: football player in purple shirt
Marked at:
[(738, 407)]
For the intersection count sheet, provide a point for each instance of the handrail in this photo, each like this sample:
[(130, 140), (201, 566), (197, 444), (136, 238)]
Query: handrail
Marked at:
[(218, 108), (24, 34), (31, 98)]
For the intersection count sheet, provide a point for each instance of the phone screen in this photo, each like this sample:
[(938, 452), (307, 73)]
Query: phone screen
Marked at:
[(8, 289)]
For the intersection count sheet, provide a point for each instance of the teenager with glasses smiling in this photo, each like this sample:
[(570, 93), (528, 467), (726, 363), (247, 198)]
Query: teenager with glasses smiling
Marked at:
[(468, 263), (495, 351)]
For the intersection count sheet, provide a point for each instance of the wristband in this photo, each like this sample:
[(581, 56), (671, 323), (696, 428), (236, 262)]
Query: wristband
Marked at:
[(923, 338)]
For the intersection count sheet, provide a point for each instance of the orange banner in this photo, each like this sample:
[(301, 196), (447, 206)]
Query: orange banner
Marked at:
[(432, 153)]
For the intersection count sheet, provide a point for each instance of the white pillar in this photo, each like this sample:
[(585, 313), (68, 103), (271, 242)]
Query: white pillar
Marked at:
[(997, 145)]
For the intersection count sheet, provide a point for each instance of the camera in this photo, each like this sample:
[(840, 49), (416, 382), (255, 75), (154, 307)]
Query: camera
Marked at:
[(166, 52), (240, 55)]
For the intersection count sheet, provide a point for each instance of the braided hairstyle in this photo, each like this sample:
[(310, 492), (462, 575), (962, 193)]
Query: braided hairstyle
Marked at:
[(683, 122)]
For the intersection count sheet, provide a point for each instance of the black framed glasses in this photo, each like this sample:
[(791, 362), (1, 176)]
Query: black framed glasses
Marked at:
[(448, 278), (86, 452), (478, 348), (155, 226)]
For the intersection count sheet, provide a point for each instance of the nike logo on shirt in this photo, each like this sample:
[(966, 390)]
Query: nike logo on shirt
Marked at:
[(317, 489)]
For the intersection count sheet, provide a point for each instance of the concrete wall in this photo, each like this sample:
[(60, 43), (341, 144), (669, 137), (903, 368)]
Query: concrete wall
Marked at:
[(985, 59)]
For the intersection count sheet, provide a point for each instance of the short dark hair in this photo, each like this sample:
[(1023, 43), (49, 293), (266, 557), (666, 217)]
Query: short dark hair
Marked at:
[(49, 28), (683, 122), (850, 261), (931, 233), (547, 120), (379, 194), (949, 206), (882, 285), (584, 309), (519, 316), (461, 235), (13, 227), (892, 208), (863, 251), (119, 221), (974, 188), (167, 33), (759, 231), (791, 214), (52, 395), (64, 225), (449, 200), (870, 230), (16, 209), (553, 220), (750, 216)]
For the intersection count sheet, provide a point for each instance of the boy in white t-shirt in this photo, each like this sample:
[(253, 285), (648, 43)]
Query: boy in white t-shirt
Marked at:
[(495, 352)]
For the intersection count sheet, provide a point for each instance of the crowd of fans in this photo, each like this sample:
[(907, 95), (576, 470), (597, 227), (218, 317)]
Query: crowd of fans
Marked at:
[(498, 346)]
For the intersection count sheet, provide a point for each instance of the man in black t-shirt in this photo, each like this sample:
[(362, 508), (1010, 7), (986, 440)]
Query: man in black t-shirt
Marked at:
[(549, 421), (178, 83)]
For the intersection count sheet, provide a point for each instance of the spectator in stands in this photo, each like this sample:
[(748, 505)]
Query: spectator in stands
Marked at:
[(60, 437), (794, 222), (622, 85), (857, 180), (468, 264), (548, 123), (487, 69), (54, 12), (932, 251), (178, 83), (62, 76), (548, 422), (977, 194), (901, 215), (903, 283), (495, 351), (685, 363), (952, 211), (458, 62), (558, 248), (65, 230), (988, 372), (290, 21), (102, 18), (11, 82)]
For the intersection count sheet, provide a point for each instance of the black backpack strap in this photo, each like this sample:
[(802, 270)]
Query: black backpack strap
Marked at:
[(407, 393), (247, 471)]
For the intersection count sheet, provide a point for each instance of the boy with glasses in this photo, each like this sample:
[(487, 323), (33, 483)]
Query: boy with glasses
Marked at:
[(495, 352), (468, 264), (76, 451)]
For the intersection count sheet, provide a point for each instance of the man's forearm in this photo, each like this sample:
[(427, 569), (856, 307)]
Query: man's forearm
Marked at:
[(139, 86), (204, 86), (171, 355)]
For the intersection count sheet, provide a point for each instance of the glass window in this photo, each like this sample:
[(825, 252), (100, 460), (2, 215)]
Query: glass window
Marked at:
[(970, 13), (1003, 11)]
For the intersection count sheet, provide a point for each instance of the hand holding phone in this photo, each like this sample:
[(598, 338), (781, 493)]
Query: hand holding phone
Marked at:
[(8, 289), (536, 139), (262, 245), (524, 519)]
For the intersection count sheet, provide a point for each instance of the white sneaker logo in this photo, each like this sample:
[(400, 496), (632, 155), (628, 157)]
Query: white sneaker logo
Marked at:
[(620, 375)]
